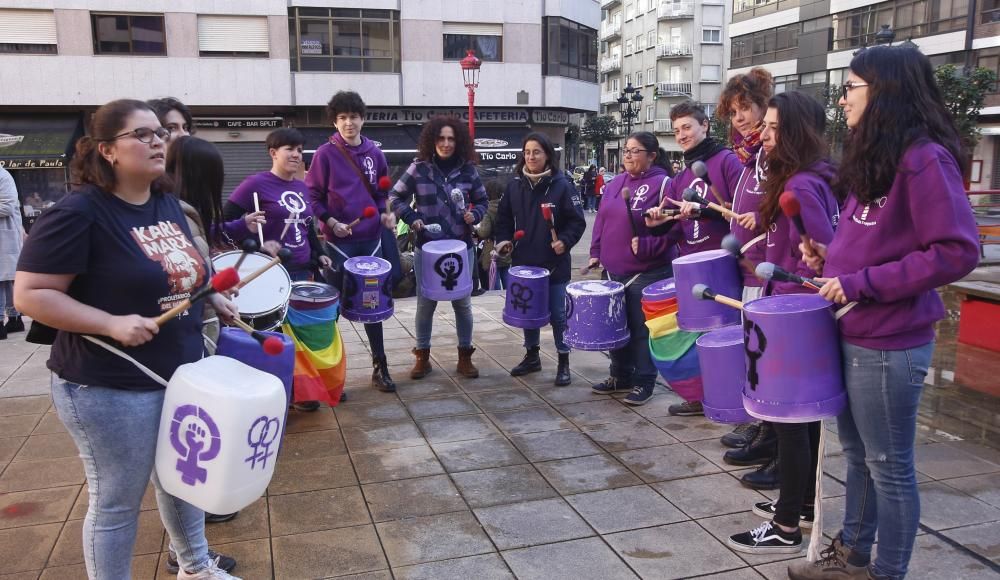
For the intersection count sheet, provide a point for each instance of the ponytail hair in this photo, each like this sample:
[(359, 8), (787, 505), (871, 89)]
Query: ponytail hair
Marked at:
[(89, 167), (651, 144)]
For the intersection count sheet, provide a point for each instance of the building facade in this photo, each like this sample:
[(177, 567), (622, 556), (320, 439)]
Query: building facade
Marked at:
[(246, 68)]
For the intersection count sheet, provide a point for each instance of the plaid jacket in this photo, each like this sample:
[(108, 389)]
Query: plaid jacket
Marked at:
[(425, 183)]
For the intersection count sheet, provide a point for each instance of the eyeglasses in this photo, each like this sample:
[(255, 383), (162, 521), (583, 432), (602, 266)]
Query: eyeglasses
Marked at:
[(853, 85), (631, 152), (144, 134)]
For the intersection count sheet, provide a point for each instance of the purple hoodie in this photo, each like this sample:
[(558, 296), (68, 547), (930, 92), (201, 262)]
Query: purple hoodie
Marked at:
[(819, 213), (748, 193), (893, 253), (611, 239), (337, 192), (706, 233), (278, 200)]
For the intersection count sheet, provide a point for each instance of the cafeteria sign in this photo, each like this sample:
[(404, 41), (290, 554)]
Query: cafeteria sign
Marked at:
[(259, 123), (10, 140)]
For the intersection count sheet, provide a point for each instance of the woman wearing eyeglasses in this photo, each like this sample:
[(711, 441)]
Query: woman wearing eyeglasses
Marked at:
[(905, 229), (633, 255), (106, 261)]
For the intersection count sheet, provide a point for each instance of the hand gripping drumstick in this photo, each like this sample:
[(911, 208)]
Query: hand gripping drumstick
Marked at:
[(272, 345), (256, 208), (701, 171), (222, 281), (284, 254), (769, 271), (692, 195), (792, 209), (249, 246), (369, 212), (703, 292), (547, 216), (517, 237)]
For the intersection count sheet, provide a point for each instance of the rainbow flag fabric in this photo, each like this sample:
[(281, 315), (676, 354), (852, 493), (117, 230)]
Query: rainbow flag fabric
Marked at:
[(320, 363)]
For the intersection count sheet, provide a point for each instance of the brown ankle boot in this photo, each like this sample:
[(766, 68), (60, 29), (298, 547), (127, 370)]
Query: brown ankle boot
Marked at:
[(465, 366), (422, 367)]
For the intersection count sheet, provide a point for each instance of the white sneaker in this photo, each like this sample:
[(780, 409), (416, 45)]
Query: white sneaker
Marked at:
[(212, 572)]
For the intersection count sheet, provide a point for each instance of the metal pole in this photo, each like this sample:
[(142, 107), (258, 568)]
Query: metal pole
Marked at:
[(472, 112)]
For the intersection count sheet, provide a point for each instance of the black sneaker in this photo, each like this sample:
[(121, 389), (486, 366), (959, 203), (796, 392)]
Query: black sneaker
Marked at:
[(15, 324), (306, 406), (686, 409), (766, 509), (640, 395), (225, 562), (741, 435), (611, 385), (767, 538)]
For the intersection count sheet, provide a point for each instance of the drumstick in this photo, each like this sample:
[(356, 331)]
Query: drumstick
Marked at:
[(256, 208), (547, 216), (368, 213), (701, 171), (221, 282), (586, 269), (769, 271), (291, 218), (703, 292), (793, 210), (626, 193), (284, 254), (249, 246), (692, 195), (658, 212), (272, 345), (732, 245)]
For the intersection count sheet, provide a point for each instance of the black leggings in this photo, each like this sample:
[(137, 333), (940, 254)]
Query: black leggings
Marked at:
[(798, 452)]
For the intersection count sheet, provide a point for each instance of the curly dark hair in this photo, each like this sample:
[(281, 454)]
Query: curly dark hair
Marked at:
[(464, 148), (904, 105), (345, 102), (756, 86)]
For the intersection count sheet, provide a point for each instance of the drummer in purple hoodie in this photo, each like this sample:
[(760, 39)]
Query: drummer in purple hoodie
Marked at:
[(343, 182), (906, 229), (634, 256)]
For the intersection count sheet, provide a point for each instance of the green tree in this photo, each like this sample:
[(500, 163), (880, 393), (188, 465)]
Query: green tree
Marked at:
[(572, 140), (836, 121), (598, 130), (964, 92)]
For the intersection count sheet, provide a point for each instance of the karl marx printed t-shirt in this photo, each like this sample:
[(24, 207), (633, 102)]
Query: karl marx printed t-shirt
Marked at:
[(128, 259)]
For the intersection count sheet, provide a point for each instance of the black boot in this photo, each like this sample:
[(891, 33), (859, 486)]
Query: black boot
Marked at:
[(761, 449), (380, 375), (563, 377), (529, 364), (764, 478), (14, 324)]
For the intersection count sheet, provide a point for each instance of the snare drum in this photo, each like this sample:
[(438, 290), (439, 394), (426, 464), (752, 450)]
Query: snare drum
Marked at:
[(262, 302)]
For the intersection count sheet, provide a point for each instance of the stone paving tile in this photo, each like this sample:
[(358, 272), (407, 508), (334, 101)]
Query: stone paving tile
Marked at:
[(981, 487), (362, 414), (625, 508), (933, 558), (597, 412), (583, 474), (983, 539), (549, 445), (713, 450), (478, 454), (673, 551), (635, 433), (708, 495), (666, 462), (659, 405), (18, 425), (777, 570), (27, 548), (253, 558), (724, 526), (435, 385), (55, 446), (328, 553), (393, 464), (586, 559), (311, 474), (25, 475), (143, 568), (408, 498), (686, 429), (741, 574), (49, 425), (485, 567), (312, 511), (322, 419), (570, 394), (381, 437), (460, 428), (831, 488), (431, 538), (530, 420), (943, 507), (312, 445), (942, 461), (502, 485), (25, 405), (377, 575), (507, 400), (43, 506), (429, 408), (9, 447), (977, 449), (532, 523), (253, 523)]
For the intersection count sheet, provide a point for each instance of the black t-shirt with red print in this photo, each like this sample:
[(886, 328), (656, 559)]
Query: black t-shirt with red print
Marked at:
[(127, 259)]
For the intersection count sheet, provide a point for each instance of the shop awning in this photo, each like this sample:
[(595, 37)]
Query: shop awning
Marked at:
[(38, 141)]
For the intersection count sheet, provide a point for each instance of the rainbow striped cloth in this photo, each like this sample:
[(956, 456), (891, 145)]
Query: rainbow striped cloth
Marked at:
[(675, 356), (320, 363)]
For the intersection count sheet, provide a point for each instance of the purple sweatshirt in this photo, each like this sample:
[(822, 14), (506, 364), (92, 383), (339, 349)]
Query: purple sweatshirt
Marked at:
[(611, 239), (337, 192), (278, 200), (706, 233), (819, 213), (747, 195), (893, 253)]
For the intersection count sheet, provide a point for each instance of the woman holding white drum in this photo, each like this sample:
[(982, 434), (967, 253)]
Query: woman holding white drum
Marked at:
[(449, 199), (539, 186), (906, 229)]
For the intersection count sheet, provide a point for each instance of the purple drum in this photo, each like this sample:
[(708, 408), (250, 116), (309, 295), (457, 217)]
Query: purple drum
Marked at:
[(792, 350), (444, 272), (527, 304), (367, 295), (658, 291), (236, 343), (723, 373), (595, 315), (718, 270)]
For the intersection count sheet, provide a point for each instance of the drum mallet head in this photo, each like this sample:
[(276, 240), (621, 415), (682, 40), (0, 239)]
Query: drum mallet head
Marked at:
[(765, 270), (273, 346), (691, 195), (384, 183), (225, 279), (701, 171), (285, 255), (702, 292), (732, 245), (249, 246)]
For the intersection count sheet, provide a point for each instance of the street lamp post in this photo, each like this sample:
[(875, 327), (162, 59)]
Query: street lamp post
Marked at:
[(470, 74), (885, 36), (629, 106)]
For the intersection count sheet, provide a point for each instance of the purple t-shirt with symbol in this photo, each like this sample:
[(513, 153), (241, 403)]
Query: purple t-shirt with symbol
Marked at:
[(279, 200)]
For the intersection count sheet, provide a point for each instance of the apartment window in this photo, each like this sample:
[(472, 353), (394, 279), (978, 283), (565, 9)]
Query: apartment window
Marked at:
[(629, 11), (628, 80), (344, 40), (640, 42), (28, 31), (570, 50), (485, 39), (140, 34), (908, 18), (990, 12), (639, 79), (813, 78), (650, 76), (786, 83), (765, 46), (651, 38), (711, 73), (990, 59), (628, 46), (233, 36), (614, 85), (649, 114), (711, 35)]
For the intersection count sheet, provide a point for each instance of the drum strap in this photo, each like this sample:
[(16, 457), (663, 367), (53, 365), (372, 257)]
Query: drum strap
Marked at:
[(817, 529), (375, 252), (847, 308), (752, 243), (145, 370), (632, 279)]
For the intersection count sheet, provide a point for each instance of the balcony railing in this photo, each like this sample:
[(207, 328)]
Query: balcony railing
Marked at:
[(611, 63), (673, 50), (611, 29), (673, 89), (663, 126), (609, 3), (609, 98), (669, 10)]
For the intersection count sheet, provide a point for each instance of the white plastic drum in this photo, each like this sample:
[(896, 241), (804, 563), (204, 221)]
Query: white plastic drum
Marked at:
[(262, 302)]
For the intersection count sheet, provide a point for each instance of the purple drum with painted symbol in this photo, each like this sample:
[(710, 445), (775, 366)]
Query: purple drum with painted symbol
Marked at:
[(718, 270), (445, 274), (527, 304), (723, 373), (596, 318), (367, 292), (792, 353)]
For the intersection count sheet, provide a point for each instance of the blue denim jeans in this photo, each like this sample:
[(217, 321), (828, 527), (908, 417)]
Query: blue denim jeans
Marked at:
[(115, 431), (633, 361), (557, 318), (426, 306), (7, 300), (877, 431), (503, 275)]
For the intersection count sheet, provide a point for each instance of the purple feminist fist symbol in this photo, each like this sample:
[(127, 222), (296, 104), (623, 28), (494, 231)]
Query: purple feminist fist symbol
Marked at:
[(191, 448), (262, 433)]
